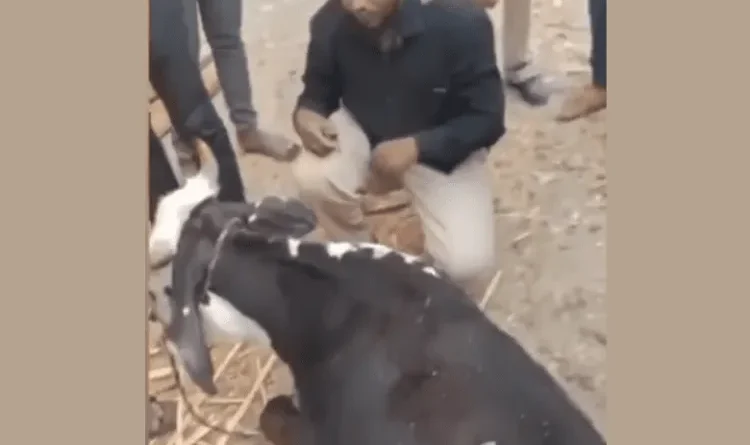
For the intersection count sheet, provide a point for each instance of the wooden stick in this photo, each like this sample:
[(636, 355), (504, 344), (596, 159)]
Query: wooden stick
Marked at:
[(223, 401), (263, 394), (491, 289), (213, 400), (160, 373), (202, 397), (232, 424), (179, 425)]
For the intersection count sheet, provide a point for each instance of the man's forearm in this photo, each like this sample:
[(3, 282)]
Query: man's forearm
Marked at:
[(323, 107), (447, 146)]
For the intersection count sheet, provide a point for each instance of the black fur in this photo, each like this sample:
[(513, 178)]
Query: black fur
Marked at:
[(381, 352)]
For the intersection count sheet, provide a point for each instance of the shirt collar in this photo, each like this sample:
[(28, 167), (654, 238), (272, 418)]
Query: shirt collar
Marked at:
[(408, 20)]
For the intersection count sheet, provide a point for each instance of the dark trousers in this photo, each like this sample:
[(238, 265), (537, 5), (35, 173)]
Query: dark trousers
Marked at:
[(175, 76), (222, 23), (598, 17)]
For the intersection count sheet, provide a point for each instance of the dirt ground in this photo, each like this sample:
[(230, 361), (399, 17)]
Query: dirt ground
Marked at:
[(551, 198)]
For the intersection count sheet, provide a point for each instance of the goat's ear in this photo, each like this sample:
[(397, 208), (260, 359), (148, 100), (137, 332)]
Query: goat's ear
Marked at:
[(185, 330), (274, 216)]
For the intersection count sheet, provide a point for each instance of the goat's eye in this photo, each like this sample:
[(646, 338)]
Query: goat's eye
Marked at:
[(168, 291)]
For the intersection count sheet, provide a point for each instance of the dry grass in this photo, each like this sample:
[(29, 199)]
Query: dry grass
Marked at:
[(226, 411)]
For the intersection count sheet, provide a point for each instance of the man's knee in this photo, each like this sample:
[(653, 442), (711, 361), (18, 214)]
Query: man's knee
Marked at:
[(466, 253), (468, 264), (334, 178), (311, 178)]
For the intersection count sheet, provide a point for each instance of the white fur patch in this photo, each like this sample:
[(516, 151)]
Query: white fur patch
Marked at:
[(173, 211), (222, 321), (378, 250), (339, 249), (292, 244)]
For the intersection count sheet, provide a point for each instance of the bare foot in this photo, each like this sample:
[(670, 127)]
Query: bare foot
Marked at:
[(583, 102), (270, 144)]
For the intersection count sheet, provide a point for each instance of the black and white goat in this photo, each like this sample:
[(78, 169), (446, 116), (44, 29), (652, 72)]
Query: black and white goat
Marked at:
[(382, 347)]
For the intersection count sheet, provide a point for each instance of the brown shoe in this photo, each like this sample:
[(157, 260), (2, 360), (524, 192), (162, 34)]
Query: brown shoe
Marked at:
[(270, 144), (583, 102)]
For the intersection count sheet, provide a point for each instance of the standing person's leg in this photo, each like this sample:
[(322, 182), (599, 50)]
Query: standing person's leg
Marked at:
[(190, 16), (161, 178), (593, 96), (222, 23), (184, 149), (177, 80), (520, 72), (598, 14), (329, 184), (458, 220)]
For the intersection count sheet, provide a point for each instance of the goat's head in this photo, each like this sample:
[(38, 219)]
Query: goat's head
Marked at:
[(174, 208), (192, 223)]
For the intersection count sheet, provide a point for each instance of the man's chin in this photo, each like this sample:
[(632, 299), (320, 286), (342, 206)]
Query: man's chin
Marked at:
[(368, 23)]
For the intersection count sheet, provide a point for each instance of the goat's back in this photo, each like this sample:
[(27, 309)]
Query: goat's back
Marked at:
[(438, 373)]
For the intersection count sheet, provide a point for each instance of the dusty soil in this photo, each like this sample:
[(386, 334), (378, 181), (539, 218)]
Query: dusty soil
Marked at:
[(551, 198)]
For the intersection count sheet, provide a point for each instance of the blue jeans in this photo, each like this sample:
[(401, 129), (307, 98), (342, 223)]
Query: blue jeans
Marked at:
[(176, 78), (598, 17)]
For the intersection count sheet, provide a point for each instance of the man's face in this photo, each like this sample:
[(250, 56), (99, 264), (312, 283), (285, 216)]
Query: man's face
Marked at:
[(370, 13)]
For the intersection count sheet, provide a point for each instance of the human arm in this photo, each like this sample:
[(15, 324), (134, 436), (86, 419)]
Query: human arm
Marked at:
[(476, 87)]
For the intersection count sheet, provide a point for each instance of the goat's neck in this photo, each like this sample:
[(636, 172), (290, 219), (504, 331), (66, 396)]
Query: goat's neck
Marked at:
[(292, 301), (310, 297)]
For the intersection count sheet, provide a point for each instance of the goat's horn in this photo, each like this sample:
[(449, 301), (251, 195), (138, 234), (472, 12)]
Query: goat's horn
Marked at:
[(209, 168)]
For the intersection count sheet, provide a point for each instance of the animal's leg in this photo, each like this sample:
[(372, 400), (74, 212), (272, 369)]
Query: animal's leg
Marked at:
[(282, 423), (161, 417)]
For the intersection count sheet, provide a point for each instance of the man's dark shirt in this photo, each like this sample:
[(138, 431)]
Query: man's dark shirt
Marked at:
[(440, 85)]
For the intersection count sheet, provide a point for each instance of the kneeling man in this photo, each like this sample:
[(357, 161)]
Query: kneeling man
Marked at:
[(404, 93)]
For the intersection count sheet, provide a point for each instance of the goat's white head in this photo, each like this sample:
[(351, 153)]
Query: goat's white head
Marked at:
[(174, 208), (191, 311)]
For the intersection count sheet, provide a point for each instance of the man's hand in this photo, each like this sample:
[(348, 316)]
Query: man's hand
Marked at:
[(394, 157), (389, 163), (317, 133)]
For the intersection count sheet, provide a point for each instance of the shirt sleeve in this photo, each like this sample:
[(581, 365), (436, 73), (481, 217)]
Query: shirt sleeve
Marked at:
[(476, 84), (321, 79)]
